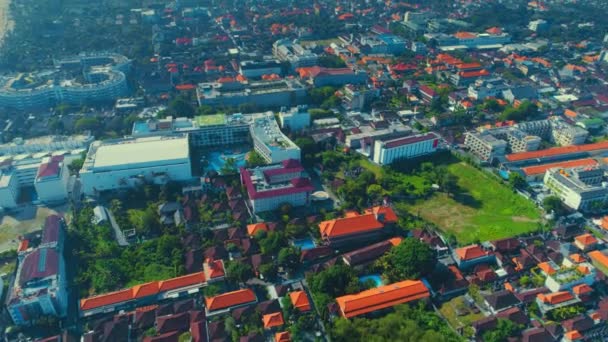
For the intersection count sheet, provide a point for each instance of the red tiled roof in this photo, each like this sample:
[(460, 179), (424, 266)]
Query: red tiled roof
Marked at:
[(50, 167), (465, 35), (541, 169), (469, 74), (298, 185), (142, 290), (252, 229), (300, 301), (573, 335), (23, 245), (555, 298), (273, 320), (356, 223), (582, 289), (465, 66), (599, 257), (382, 297), (39, 264), (470, 252), (282, 337), (556, 151), (586, 239), (52, 225), (547, 268), (230, 299)]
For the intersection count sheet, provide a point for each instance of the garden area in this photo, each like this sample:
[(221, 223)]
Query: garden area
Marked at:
[(479, 209)]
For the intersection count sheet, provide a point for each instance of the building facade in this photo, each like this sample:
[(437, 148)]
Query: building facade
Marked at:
[(124, 163), (51, 181), (295, 119), (40, 286), (484, 145), (579, 188), (271, 186), (387, 151)]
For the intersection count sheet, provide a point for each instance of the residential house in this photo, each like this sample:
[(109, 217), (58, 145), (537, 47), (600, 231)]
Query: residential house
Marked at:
[(300, 301), (227, 301), (469, 256), (368, 254), (501, 300)]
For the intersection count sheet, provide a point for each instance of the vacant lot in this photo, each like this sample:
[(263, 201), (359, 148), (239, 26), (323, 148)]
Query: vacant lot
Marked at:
[(483, 209), (26, 220)]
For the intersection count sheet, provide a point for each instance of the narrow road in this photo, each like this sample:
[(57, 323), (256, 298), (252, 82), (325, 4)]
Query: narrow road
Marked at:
[(120, 236)]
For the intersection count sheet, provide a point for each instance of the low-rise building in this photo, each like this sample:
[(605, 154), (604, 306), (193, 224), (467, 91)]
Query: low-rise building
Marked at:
[(382, 297), (40, 285), (124, 163), (293, 53), (253, 69), (566, 277), (469, 256), (555, 300), (295, 119), (230, 300), (263, 93), (579, 188), (268, 187), (355, 227), (320, 76), (387, 151)]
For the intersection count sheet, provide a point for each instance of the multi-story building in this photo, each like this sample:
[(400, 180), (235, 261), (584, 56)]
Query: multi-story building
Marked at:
[(386, 44), (564, 134), (356, 98), (389, 150), (252, 69), (579, 188), (123, 163), (104, 81), (294, 53), (296, 118), (266, 93), (484, 145), (517, 140), (9, 187), (40, 285), (270, 186), (269, 141), (469, 39), (51, 181), (538, 25), (567, 276), (486, 87)]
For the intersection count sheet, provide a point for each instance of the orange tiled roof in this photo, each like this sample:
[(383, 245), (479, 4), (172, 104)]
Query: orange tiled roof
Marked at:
[(582, 289), (599, 257), (300, 301), (252, 229), (470, 252), (381, 297), (494, 30), (583, 269), (573, 335), (556, 151), (183, 281), (465, 35), (605, 221), (541, 169), (141, 290), (469, 74), (230, 299), (355, 223), (547, 268), (595, 316), (555, 298), (586, 239), (273, 320), (214, 269), (465, 66), (576, 258), (282, 337), (395, 241)]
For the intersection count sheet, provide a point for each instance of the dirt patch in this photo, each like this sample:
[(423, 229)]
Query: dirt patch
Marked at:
[(26, 220)]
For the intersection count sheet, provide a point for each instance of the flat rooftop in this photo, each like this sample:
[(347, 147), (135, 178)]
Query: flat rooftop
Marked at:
[(210, 120), (140, 151)]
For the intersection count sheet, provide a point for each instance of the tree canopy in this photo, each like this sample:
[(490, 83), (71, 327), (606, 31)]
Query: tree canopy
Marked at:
[(411, 259)]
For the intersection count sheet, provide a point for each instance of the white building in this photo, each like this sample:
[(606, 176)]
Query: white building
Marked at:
[(294, 53), (387, 151), (269, 141), (51, 181), (271, 186), (9, 188), (124, 163), (252, 69), (578, 188), (538, 25), (484, 145), (296, 119), (568, 275)]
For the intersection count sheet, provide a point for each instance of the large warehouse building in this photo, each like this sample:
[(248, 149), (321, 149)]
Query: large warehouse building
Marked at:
[(125, 163)]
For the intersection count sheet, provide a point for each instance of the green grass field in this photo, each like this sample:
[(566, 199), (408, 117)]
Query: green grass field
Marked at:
[(483, 210)]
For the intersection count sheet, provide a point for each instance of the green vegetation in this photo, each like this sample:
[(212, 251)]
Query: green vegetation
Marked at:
[(566, 312), (209, 120), (333, 282), (331, 61), (411, 259), (459, 314), (405, 324), (502, 332), (483, 210)]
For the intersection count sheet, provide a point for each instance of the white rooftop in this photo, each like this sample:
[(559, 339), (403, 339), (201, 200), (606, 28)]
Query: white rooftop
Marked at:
[(141, 151)]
